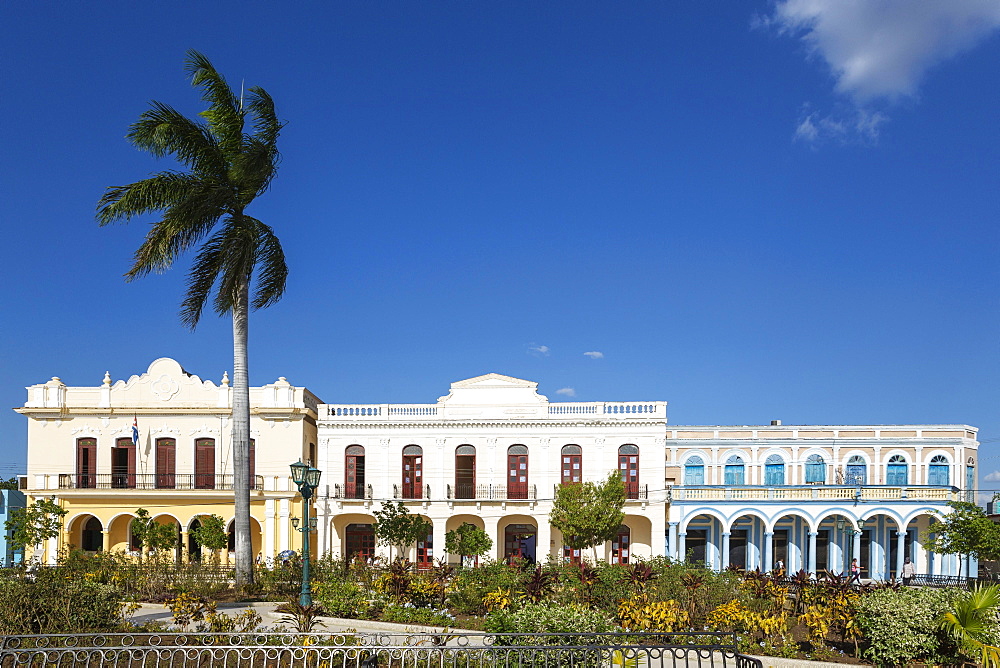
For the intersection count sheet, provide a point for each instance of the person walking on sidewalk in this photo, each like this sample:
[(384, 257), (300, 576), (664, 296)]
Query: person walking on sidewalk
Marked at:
[(908, 571)]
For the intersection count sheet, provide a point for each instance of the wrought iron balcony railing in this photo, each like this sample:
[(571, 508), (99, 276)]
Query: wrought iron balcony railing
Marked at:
[(492, 492), (352, 490), (149, 481), (411, 492), (633, 492)]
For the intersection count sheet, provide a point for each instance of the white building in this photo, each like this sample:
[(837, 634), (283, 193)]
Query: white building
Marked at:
[(492, 451)]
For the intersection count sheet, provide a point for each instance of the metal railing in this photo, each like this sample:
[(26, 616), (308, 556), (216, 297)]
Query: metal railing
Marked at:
[(152, 481), (744, 493), (370, 650), (492, 493), (352, 491), (411, 492)]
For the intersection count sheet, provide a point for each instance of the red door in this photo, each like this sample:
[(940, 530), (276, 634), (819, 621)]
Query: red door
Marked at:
[(354, 473), (571, 467), (204, 463), (123, 464), (166, 463), (628, 465), (360, 542), (620, 546), (413, 472), (517, 472), (86, 463), (425, 552)]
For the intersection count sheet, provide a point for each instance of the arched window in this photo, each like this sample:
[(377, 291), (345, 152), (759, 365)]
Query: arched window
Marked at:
[(354, 472), (413, 472), (694, 471), (896, 471), (970, 478), (815, 469), (91, 539), (628, 466), (86, 463), (204, 463), (465, 472), (517, 472), (937, 472), (166, 463), (572, 464), (774, 470), (621, 546), (856, 472), (735, 471)]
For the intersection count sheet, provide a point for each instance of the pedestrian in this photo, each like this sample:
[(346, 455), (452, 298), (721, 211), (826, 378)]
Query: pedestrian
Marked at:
[(908, 571), (855, 572)]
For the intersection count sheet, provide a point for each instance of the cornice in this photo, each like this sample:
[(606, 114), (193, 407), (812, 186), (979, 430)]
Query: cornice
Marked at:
[(448, 424)]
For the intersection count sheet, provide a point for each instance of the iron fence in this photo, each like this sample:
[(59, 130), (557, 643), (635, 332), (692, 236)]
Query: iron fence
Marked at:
[(371, 650)]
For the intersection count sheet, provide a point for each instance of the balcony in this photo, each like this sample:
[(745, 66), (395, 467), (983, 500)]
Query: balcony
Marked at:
[(352, 491), (633, 492), (411, 492), (491, 493), (152, 481), (825, 493)]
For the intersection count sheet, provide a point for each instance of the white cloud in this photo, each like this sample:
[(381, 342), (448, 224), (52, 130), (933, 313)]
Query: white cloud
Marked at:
[(594, 355), (992, 477), (538, 350), (881, 49), (843, 126), (566, 392)]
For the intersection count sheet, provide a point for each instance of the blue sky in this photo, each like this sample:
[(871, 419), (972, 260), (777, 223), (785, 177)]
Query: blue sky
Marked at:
[(754, 211)]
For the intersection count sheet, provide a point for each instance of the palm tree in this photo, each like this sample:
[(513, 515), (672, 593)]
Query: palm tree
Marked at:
[(970, 622), (226, 167)]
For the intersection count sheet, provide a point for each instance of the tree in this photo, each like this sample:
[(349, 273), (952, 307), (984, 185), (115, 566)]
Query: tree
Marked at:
[(396, 527), (226, 168), (467, 540), (152, 535), (967, 530), (589, 514), (211, 534), (35, 523), (9, 484)]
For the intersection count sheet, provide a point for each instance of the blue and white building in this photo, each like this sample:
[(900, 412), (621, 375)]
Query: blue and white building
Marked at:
[(10, 500)]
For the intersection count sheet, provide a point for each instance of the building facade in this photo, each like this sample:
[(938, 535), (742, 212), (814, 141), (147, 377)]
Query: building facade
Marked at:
[(491, 453), (10, 500), (81, 450)]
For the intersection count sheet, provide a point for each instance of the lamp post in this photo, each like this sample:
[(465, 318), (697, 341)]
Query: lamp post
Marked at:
[(306, 478)]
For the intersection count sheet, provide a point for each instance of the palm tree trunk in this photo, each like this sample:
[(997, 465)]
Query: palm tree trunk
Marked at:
[(241, 438)]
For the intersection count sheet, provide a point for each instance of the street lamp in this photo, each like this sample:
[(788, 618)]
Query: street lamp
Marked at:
[(306, 478)]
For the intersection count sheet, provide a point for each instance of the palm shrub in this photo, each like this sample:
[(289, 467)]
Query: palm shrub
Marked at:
[(972, 624)]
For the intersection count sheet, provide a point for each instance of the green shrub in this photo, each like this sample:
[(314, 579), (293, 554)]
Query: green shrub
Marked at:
[(407, 614), (552, 618), (341, 598), (901, 625), (53, 601), (470, 585)]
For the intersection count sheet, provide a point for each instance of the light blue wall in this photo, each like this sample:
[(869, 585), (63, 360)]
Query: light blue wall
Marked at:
[(9, 500)]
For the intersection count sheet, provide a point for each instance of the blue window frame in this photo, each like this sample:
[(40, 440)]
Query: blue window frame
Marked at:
[(815, 469), (694, 471), (857, 471), (897, 471), (735, 471), (774, 470), (937, 472)]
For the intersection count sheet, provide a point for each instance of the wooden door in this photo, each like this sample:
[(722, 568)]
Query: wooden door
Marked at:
[(517, 473), (86, 463), (413, 476), (166, 463), (204, 463)]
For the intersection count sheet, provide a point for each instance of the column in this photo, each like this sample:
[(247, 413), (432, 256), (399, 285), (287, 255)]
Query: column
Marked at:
[(725, 551), (856, 553), (493, 530), (185, 557), (768, 550), (657, 534), (269, 547), (812, 552), (438, 532), (322, 527), (283, 525), (672, 541), (543, 540), (681, 548), (900, 547), (105, 540)]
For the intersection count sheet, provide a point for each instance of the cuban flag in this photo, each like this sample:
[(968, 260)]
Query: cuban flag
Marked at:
[(135, 430)]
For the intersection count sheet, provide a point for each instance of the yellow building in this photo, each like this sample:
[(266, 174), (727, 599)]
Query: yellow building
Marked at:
[(83, 453)]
